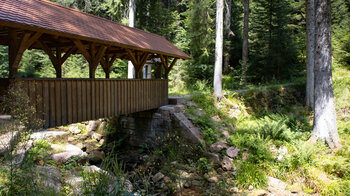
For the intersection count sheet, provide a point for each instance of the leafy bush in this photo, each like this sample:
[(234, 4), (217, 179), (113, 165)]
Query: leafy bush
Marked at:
[(203, 165), (274, 127)]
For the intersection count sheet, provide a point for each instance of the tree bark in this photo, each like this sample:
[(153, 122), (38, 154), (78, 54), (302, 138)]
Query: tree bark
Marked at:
[(245, 42), (310, 52), (132, 10), (218, 49), (325, 124), (228, 34)]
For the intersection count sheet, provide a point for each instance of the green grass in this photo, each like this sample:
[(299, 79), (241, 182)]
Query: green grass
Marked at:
[(278, 118)]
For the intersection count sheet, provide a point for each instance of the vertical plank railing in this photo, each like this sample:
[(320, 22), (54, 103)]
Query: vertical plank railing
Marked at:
[(64, 101)]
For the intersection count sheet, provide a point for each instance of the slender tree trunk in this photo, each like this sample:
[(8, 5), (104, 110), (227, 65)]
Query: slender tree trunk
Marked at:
[(310, 52), (245, 42), (132, 10), (219, 48), (228, 34), (325, 124)]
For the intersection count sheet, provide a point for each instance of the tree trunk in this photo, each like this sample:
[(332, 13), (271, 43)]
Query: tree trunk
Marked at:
[(325, 124), (245, 42), (310, 52), (228, 34), (218, 49), (132, 9)]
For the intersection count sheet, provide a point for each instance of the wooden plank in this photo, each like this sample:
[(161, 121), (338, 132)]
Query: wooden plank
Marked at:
[(113, 97), (108, 86), (46, 103), (105, 99), (75, 101), (58, 103), (127, 88), (39, 99), (119, 94), (88, 100), (79, 101), (132, 98), (98, 99), (101, 99), (52, 104), (64, 102), (137, 95), (83, 100), (69, 102), (31, 90), (93, 100)]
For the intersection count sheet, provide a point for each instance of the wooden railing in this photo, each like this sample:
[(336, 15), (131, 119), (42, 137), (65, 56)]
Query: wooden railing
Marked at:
[(65, 101)]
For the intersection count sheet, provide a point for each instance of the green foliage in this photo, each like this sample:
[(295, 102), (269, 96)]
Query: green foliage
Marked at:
[(203, 165), (274, 127), (39, 151), (109, 181), (250, 174), (273, 53)]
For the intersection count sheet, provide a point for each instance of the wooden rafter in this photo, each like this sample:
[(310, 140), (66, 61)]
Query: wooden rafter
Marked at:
[(57, 60), (16, 49), (107, 62), (92, 55), (165, 63), (138, 60)]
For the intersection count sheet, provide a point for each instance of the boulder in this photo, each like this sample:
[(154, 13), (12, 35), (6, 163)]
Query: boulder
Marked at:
[(213, 179), (276, 185), (218, 146), (214, 158), (189, 131), (158, 176), (101, 129), (74, 129), (227, 164), (232, 152), (50, 135), (68, 151), (7, 141), (96, 136), (49, 177), (92, 126)]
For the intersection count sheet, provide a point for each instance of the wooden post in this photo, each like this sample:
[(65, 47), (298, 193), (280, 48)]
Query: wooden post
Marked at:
[(92, 56), (17, 45), (107, 63), (138, 61), (167, 68), (57, 60)]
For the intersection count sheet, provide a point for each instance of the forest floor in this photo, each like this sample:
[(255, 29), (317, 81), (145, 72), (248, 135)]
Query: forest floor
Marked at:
[(255, 143)]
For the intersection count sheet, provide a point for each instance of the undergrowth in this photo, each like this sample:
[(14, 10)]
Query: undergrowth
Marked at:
[(265, 123)]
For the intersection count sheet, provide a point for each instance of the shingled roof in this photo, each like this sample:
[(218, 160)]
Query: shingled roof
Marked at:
[(50, 18)]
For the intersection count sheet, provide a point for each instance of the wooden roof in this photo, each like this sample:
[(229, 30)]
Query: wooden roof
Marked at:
[(59, 21)]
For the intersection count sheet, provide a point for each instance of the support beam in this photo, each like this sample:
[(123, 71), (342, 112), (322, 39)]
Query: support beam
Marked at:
[(93, 55), (107, 63), (57, 60), (165, 63), (17, 48), (138, 61)]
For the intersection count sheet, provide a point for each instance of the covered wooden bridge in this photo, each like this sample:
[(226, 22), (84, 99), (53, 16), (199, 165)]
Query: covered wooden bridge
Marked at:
[(61, 32)]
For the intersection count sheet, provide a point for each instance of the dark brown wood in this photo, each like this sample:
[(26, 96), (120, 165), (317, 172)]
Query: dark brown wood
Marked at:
[(67, 101), (17, 48), (58, 106), (92, 56), (57, 60), (64, 112)]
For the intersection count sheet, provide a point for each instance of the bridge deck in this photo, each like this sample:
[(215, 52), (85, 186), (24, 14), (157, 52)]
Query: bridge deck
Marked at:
[(65, 101)]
